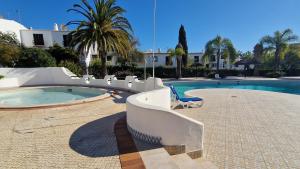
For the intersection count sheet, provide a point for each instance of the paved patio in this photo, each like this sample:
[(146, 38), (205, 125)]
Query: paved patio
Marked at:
[(80, 136), (249, 129)]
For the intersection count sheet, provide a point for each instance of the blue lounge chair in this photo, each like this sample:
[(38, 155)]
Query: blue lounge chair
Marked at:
[(186, 101)]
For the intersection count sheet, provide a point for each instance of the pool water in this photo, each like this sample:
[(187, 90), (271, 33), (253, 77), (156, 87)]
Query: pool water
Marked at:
[(47, 95), (278, 86)]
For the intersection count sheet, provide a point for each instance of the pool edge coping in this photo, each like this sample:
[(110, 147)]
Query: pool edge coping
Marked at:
[(108, 93)]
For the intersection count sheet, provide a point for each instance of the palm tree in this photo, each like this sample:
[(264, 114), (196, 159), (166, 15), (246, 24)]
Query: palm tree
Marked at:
[(278, 42), (103, 28), (220, 47), (177, 52)]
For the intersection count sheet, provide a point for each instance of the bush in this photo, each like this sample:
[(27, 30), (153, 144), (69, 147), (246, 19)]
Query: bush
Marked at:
[(161, 72), (9, 54), (293, 72), (1, 76), (274, 74), (61, 54), (211, 75), (123, 74), (35, 57), (95, 68), (73, 67)]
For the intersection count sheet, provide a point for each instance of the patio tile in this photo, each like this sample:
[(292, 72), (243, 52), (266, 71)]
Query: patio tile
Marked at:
[(261, 129)]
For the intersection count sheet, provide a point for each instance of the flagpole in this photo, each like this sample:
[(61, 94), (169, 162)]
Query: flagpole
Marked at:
[(154, 39)]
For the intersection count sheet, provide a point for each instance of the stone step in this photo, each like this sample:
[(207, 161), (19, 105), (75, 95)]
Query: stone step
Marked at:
[(205, 164), (158, 159), (183, 161)]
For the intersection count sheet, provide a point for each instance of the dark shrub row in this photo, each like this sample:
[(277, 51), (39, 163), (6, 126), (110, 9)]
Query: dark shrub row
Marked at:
[(168, 72)]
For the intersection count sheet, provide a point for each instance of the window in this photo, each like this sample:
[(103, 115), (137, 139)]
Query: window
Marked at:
[(196, 59), (213, 58), (167, 60), (66, 40), (108, 58), (155, 58), (38, 40)]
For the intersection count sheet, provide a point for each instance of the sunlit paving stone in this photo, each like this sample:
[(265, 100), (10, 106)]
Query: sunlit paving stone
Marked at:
[(257, 130)]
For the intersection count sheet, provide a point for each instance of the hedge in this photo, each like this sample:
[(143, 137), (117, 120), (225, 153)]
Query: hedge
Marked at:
[(169, 72), (162, 72)]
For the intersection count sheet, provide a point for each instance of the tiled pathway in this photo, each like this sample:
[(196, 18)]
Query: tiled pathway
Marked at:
[(249, 129), (80, 136)]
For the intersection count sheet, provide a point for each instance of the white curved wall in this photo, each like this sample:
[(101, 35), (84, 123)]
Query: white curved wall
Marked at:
[(147, 112), (150, 114)]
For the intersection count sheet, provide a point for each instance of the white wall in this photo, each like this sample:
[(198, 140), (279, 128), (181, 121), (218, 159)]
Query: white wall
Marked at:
[(50, 37), (57, 37), (147, 112), (27, 37), (162, 59)]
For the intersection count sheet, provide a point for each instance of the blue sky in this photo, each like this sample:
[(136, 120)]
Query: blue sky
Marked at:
[(243, 21)]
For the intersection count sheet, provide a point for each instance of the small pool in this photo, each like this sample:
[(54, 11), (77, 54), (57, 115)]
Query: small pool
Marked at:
[(283, 86), (37, 96)]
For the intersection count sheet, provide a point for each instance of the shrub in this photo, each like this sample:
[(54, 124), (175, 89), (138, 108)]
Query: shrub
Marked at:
[(73, 67), (123, 74), (95, 68), (293, 72), (9, 54), (1, 76), (211, 75), (35, 57), (274, 74), (61, 54)]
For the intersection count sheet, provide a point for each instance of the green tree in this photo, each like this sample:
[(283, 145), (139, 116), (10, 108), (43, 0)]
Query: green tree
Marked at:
[(9, 54), (9, 38), (103, 28), (221, 48), (35, 57), (178, 52), (9, 49), (182, 40), (247, 55), (278, 42), (291, 61), (63, 54), (258, 52), (134, 55)]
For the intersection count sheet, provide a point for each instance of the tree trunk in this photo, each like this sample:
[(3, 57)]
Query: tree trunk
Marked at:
[(185, 60), (178, 67), (103, 64), (277, 59), (218, 61)]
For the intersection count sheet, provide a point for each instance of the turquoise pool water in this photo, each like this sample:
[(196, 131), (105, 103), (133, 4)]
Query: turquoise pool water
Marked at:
[(292, 87), (47, 95)]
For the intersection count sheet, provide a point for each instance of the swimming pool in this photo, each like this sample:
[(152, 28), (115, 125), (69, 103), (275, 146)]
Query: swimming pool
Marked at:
[(37, 96), (283, 86)]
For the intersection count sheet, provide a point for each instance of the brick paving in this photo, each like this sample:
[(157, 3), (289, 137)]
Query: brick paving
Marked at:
[(80, 136), (249, 129), (129, 154)]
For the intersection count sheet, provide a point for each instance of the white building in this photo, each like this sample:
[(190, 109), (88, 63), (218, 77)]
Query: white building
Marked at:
[(11, 26), (161, 59), (47, 38), (35, 38), (43, 38)]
